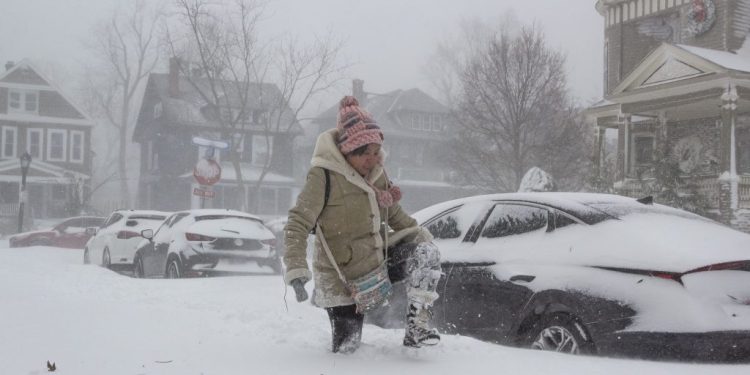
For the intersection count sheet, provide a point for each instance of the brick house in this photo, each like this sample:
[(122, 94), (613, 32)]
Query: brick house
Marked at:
[(677, 79), (415, 127), (38, 118), (173, 112)]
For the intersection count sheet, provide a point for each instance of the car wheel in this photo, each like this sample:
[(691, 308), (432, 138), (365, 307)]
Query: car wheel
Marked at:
[(106, 259), (560, 332), (86, 257), (174, 270), (138, 268)]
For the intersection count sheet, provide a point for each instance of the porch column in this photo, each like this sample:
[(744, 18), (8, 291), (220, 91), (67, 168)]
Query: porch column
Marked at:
[(623, 148), (599, 133), (728, 181), (661, 134)]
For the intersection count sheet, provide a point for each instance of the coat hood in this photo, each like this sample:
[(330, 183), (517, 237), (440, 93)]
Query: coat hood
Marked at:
[(327, 155)]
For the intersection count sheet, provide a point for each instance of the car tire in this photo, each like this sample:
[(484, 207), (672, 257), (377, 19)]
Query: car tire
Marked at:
[(138, 268), (174, 269), (86, 256), (106, 258), (559, 332)]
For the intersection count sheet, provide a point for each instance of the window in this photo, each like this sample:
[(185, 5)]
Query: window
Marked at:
[(59, 192), (9, 142), (260, 117), (643, 150), (34, 143), (262, 150), (158, 108), (455, 223), (23, 101), (562, 220), (76, 146), (56, 145), (512, 219), (437, 123), (267, 204)]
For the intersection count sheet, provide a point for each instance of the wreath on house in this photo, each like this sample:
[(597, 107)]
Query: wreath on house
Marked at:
[(701, 16)]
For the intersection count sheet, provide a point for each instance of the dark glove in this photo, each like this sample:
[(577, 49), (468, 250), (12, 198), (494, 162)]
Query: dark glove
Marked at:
[(299, 288)]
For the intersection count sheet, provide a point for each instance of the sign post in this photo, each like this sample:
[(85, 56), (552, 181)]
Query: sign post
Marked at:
[(207, 171)]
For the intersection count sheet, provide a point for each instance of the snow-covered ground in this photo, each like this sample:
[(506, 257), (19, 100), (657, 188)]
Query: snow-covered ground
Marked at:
[(89, 320)]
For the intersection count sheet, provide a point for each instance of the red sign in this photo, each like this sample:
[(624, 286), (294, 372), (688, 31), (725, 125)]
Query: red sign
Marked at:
[(204, 193), (207, 172)]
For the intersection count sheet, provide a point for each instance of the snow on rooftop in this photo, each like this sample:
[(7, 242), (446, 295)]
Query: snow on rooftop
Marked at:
[(729, 60)]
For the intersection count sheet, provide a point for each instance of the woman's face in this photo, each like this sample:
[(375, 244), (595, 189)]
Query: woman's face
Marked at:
[(365, 162)]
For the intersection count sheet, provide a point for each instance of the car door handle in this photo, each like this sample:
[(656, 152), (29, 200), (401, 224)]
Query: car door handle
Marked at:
[(525, 278)]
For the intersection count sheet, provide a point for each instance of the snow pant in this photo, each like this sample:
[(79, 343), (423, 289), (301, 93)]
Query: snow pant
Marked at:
[(416, 263)]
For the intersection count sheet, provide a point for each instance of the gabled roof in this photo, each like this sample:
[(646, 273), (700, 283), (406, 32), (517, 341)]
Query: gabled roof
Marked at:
[(670, 63), (188, 108), (387, 107), (25, 74), (39, 171)]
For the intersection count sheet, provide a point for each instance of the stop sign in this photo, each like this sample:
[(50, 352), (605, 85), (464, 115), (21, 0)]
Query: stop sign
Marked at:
[(207, 172)]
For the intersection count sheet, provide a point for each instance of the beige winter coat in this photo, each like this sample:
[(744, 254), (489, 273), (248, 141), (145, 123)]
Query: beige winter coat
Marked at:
[(350, 222)]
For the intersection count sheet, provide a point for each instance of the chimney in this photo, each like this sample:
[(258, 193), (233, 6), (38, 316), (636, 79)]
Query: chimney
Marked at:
[(9, 65), (358, 91), (174, 77)]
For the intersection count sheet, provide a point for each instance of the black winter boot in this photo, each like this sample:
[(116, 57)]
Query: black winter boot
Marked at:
[(417, 332)]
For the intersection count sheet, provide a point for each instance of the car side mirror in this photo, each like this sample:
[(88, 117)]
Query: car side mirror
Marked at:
[(90, 231), (147, 234)]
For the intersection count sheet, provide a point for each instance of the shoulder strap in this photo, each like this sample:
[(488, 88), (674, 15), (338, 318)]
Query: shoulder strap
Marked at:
[(325, 197)]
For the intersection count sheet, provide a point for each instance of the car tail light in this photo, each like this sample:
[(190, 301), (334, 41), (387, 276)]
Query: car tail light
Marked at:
[(198, 237), (126, 234), (270, 242)]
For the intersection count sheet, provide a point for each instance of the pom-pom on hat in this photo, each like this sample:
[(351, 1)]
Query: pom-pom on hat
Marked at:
[(356, 126)]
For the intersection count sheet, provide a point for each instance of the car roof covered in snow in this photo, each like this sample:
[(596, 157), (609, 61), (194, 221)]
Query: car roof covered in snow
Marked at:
[(219, 212), (590, 207)]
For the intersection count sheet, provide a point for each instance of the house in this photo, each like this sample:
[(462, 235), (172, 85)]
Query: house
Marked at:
[(415, 127), (174, 111), (677, 81), (38, 118)]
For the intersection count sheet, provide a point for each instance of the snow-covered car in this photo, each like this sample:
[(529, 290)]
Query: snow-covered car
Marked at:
[(207, 242), (116, 240), (590, 274), (71, 233)]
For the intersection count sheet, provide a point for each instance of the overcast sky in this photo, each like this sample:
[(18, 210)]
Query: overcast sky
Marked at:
[(389, 41)]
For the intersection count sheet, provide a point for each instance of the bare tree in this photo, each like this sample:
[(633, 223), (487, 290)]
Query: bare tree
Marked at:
[(513, 111), (126, 51), (251, 85)]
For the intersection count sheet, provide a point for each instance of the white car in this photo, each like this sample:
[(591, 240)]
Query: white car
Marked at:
[(207, 242), (116, 240)]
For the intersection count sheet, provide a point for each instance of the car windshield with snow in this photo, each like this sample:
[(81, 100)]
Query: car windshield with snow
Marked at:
[(207, 242), (589, 273)]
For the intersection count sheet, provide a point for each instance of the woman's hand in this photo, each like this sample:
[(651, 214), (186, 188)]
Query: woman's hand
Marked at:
[(299, 288)]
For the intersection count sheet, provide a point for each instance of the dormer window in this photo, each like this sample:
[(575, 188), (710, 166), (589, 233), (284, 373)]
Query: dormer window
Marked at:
[(23, 101)]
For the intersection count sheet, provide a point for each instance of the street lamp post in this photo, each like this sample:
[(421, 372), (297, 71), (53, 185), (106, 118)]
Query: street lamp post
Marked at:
[(25, 162)]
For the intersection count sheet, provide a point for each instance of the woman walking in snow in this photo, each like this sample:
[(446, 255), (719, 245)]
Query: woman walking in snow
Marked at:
[(349, 203)]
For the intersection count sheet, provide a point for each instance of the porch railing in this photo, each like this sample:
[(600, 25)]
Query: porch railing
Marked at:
[(8, 209), (708, 186)]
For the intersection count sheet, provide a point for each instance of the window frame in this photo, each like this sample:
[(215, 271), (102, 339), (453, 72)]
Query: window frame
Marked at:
[(50, 133), (73, 134), (23, 101), (40, 146), (253, 149), (14, 145)]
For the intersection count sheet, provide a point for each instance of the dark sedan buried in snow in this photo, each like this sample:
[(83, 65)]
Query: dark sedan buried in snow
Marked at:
[(589, 274), (207, 242)]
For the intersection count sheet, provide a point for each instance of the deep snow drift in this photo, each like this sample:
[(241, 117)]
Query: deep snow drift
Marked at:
[(93, 321)]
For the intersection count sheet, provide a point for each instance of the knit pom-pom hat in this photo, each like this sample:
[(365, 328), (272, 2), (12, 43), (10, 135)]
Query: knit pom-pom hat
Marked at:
[(356, 126)]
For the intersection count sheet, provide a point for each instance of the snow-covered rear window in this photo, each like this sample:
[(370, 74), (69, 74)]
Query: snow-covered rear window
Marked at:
[(619, 210)]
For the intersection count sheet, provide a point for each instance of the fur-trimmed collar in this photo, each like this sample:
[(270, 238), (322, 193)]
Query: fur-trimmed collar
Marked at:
[(327, 155)]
